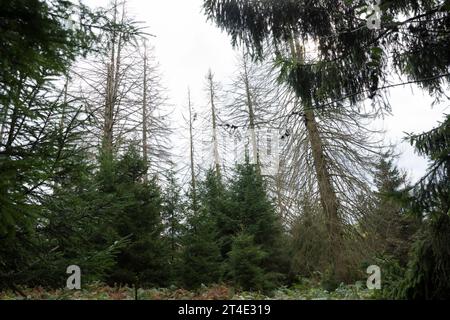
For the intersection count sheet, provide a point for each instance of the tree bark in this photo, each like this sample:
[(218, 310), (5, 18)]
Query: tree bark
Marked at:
[(112, 87), (191, 143), (328, 198), (214, 124), (109, 101), (251, 116), (144, 115)]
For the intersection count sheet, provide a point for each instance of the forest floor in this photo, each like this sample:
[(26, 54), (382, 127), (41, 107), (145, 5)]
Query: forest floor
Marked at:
[(219, 292)]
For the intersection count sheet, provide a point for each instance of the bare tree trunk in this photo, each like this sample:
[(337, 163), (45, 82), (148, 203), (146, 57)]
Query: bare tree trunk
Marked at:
[(112, 86), (3, 121), (214, 124), (191, 142), (109, 103), (279, 194), (12, 129), (327, 193), (144, 115), (63, 111), (251, 115)]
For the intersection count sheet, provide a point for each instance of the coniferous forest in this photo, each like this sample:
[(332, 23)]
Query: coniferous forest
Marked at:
[(278, 185)]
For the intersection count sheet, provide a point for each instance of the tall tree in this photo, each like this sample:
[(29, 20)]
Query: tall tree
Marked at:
[(212, 90), (193, 181), (145, 110), (108, 82), (214, 199), (154, 116)]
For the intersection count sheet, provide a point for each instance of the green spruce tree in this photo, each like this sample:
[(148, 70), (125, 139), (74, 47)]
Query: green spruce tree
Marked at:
[(428, 272), (143, 262), (246, 261), (255, 216), (172, 215), (390, 229), (202, 262)]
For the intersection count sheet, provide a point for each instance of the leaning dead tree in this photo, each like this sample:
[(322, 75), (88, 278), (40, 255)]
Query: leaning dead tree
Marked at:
[(326, 156), (331, 154)]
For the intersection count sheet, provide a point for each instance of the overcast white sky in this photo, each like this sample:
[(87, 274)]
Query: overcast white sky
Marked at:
[(187, 46)]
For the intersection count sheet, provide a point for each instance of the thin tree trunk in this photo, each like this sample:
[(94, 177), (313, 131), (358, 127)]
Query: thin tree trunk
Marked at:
[(173, 234), (12, 128), (112, 86), (279, 193), (144, 114), (63, 111), (251, 115), (214, 124), (3, 121), (191, 143), (109, 101), (327, 193)]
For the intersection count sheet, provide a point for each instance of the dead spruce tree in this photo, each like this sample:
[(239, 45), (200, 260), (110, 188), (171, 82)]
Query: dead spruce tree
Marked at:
[(106, 83), (212, 88), (155, 114), (254, 100), (121, 88)]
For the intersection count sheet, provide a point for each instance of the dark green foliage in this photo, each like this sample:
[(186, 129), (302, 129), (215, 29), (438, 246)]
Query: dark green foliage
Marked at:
[(70, 220), (172, 216), (214, 199), (255, 216), (76, 217), (202, 259), (427, 275), (50, 196), (240, 221), (345, 68), (38, 46), (308, 242), (57, 208), (352, 57), (245, 264), (144, 260), (389, 229), (34, 39), (352, 65), (432, 193), (41, 213), (202, 262)]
